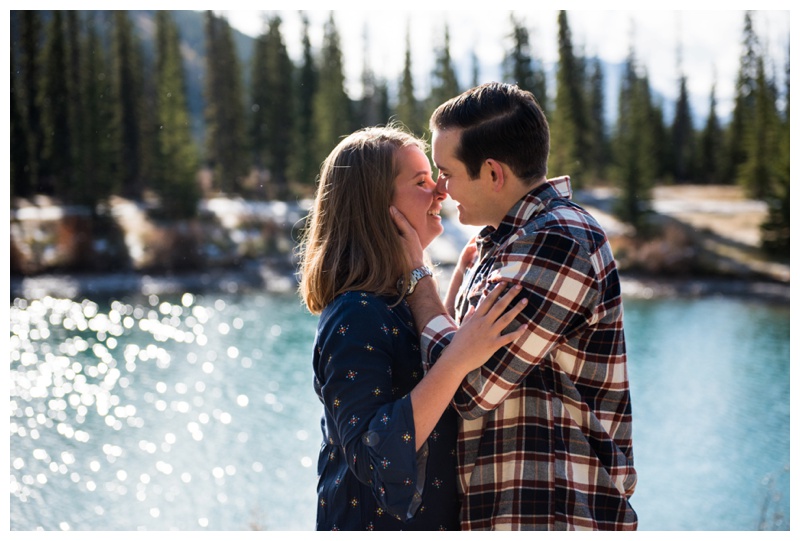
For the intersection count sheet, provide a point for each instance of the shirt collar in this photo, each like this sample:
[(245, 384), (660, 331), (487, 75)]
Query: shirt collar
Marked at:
[(527, 207)]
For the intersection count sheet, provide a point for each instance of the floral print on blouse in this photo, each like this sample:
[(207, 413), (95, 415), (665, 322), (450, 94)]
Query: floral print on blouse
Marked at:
[(366, 361)]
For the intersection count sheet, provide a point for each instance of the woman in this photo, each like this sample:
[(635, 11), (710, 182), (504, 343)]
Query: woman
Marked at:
[(387, 460)]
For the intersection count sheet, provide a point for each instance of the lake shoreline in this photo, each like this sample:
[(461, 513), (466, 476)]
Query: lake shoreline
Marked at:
[(281, 279), (706, 241), (685, 287)]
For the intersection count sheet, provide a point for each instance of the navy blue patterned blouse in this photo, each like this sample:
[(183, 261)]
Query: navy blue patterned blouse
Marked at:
[(366, 361)]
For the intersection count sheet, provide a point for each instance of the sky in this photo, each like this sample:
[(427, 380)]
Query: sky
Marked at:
[(710, 39)]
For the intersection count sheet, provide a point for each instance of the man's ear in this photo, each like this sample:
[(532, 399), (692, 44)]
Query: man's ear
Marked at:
[(497, 173)]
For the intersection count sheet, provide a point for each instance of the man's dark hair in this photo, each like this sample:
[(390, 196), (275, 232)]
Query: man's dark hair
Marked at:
[(501, 122)]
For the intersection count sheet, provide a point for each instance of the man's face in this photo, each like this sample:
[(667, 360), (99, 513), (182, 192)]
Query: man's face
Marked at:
[(454, 180)]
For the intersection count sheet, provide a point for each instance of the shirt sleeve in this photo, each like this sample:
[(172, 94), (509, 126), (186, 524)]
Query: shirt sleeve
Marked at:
[(376, 428), (558, 279), (436, 335)]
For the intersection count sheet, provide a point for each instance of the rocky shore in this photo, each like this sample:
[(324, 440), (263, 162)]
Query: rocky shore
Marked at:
[(706, 243)]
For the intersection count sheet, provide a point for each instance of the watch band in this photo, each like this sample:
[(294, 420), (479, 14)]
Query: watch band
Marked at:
[(416, 275)]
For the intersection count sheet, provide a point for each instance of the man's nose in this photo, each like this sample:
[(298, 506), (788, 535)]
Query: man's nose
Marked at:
[(441, 186)]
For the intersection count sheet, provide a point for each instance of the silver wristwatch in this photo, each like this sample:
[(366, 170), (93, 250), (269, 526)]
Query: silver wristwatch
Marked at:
[(416, 275)]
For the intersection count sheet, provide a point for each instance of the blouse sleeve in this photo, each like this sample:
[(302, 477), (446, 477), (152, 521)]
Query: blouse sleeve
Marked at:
[(376, 428)]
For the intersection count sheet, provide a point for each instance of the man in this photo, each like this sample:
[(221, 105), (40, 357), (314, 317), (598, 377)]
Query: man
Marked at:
[(545, 429)]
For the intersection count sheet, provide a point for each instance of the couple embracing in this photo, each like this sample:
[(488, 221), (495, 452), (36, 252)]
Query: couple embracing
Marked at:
[(504, 406)]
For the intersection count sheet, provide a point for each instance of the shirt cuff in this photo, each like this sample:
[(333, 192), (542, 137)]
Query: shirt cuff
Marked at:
[(436, 335)]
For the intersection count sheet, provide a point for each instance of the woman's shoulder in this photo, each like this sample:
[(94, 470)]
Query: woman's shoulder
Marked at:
[(364, 306), (358, 313), (364, 300), (360, 303)]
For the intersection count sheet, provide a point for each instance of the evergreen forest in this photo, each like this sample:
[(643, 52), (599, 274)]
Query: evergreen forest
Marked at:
[(174, 106)]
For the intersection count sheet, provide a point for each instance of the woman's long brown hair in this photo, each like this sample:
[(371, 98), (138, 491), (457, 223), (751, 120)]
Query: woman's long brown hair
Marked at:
[(351, 242)]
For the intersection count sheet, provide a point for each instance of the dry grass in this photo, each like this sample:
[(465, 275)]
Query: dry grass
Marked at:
[(722, 210)]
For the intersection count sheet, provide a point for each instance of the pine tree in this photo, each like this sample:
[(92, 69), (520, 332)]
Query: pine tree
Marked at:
[(332, 108), (148, 122), (373, 108), (271, 114), (128, 108), (757, 173), (18, 167), (635, 145), (258, 126), (517, 62), (598, 150), (444, 82), (303, 168), (57, 163), (20, 163), (776, 228), (213, 101), (98, 157), (225, 129), (382, 102), (683, 138), (177, 161), (76, 108), (408, 108), (568, 126), (368, 113), (710, 147), (658, 136), (744, 101), (30, 94), (520, 67), (476, 70)]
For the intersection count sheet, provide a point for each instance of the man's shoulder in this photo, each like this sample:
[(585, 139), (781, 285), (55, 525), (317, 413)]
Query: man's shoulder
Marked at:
[(565, 218), (563, 235)]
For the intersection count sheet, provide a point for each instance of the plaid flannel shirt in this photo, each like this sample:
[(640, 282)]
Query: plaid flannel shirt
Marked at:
[(545, 428)]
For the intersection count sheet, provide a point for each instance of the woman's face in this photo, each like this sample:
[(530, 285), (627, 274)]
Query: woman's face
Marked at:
[(416, 194)]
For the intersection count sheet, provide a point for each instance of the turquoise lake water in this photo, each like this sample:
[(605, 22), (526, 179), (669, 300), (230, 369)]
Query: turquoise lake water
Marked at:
[(196, 412)]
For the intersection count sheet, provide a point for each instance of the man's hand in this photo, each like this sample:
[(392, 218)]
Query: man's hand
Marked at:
[(481, 332), (468, 255)]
